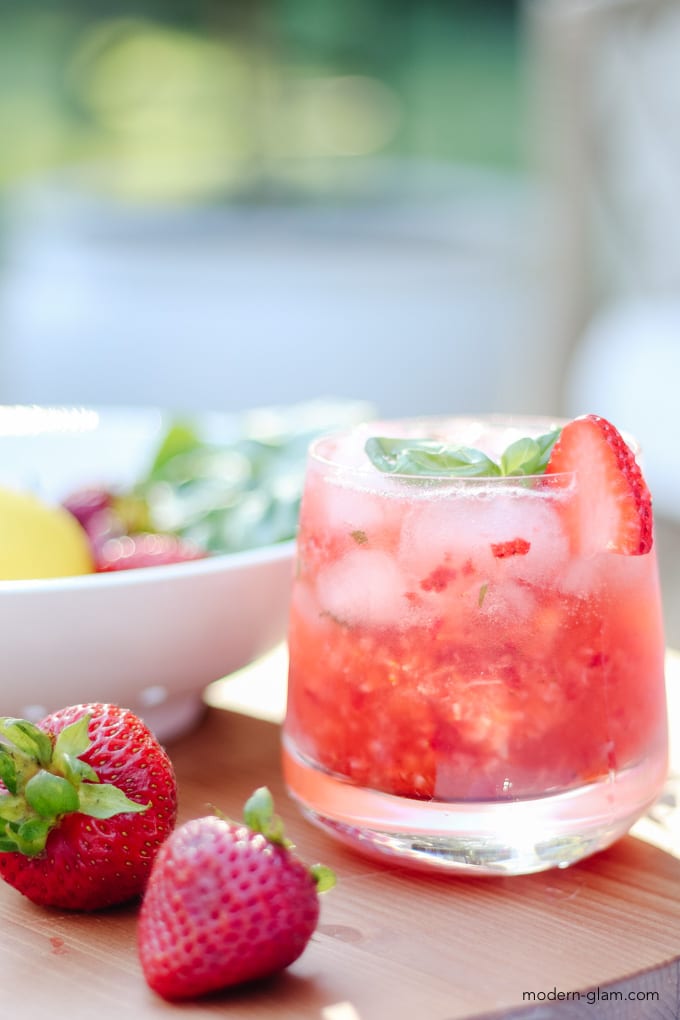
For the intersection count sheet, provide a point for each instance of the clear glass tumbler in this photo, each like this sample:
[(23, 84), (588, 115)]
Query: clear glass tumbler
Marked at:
[(469, 689)]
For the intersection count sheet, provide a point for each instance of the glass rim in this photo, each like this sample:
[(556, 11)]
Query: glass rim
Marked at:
[(538, 423)]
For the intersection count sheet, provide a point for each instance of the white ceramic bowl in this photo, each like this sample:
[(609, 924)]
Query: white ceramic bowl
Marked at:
[(150, 639)]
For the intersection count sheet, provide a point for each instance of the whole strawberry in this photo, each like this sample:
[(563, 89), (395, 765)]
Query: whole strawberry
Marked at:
[(226, 903), (90, 797)]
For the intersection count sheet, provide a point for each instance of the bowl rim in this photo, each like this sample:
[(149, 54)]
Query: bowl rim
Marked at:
[(161, 573)]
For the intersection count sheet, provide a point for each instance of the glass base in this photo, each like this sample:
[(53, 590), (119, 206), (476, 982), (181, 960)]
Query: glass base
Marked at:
[(484, 838)]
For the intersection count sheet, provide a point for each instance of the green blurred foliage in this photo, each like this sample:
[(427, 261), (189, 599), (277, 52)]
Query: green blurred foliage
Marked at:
[(204, 100)]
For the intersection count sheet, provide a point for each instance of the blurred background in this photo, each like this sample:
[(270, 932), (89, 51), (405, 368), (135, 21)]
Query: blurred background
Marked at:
[(226, 203), (434, 205)]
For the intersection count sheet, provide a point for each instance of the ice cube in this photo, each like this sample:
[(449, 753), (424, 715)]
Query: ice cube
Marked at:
[(365, 586), (537, 521), (509, 603), (446, 531), (463, 530), (346, 510)]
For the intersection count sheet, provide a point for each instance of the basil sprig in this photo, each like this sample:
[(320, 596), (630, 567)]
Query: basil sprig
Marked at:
[(432, 458)]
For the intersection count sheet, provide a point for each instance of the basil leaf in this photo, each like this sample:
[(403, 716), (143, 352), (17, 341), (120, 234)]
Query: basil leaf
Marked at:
[(518, 456), (545, 445), (529, 456), (428, 458)]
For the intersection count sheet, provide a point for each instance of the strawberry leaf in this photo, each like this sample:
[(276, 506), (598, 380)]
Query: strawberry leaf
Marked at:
[(50, 795), (73, 740), (12, 809), (8, 771), (27, 836), (77, 770), (102, 800), (27, 738), (32, 836)]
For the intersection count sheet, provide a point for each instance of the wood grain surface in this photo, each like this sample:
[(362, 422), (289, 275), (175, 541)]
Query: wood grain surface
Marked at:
[(599, 939)]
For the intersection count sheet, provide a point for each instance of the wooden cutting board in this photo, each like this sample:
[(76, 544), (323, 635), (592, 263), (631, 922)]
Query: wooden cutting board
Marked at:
[(601, 938)]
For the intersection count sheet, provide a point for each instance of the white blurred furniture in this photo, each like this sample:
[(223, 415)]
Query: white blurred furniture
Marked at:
[(627, 368), (608, 140)]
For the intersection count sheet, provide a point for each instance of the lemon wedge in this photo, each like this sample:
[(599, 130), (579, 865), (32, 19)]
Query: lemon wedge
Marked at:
[(39, 540)]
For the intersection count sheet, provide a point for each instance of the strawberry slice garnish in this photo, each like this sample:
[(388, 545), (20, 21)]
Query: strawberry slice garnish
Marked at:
[(611, 508)]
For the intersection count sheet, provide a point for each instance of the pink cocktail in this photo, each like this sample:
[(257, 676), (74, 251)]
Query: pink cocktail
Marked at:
[(476, 667)]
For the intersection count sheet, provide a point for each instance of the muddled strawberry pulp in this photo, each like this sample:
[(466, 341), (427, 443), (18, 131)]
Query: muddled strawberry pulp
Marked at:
[(448, 642)]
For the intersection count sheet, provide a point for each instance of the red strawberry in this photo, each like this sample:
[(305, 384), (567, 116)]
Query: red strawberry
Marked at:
[(127, 552), (90, 797), (514, 547), (612, 507), (226, 903)]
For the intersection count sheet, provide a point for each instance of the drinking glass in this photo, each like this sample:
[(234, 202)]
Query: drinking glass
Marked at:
[(469, 688)]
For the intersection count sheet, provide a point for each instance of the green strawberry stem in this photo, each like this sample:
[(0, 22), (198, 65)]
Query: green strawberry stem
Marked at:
[(323, 876), (45, 779), (259, 816)]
